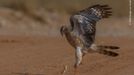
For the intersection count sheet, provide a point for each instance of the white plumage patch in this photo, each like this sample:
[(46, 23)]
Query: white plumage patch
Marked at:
[(80, 18)]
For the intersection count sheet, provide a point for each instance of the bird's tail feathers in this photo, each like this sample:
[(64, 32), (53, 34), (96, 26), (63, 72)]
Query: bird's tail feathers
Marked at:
[(109, 53), (107, 47)]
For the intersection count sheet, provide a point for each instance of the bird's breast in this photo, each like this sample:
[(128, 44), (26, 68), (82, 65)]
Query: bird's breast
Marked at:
[(74, 40)]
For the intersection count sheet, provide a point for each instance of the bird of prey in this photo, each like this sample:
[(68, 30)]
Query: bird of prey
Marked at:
[(81, 33)]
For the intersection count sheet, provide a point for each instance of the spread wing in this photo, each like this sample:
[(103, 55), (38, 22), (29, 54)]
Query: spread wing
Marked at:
[(84, 22)]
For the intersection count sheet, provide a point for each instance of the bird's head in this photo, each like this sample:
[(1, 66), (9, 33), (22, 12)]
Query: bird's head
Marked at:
[(63, 29)]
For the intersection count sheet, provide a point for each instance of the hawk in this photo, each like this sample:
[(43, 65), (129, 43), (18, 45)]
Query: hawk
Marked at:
[(81, 33)]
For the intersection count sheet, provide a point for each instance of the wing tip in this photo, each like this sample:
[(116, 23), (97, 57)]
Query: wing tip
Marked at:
[(104, 9)]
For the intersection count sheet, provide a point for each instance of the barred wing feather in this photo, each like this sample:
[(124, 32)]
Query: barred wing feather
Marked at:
[(84, 22)]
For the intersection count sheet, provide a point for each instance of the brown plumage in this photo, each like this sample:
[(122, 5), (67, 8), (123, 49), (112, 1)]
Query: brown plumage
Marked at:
[(81, 33)]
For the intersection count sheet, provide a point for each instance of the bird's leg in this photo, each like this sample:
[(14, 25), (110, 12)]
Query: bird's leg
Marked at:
[(78, 56)]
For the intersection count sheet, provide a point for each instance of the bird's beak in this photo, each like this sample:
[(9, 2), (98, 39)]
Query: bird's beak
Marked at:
[(62, 30)]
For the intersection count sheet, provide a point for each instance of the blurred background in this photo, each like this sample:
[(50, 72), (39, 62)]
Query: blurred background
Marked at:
[(44, 17)]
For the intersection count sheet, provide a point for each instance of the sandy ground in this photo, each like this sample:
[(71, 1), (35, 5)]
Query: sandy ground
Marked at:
[(25, 49), (39, 55)]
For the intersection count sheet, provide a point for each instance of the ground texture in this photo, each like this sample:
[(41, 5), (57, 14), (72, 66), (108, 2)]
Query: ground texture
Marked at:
[(39, 55)]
